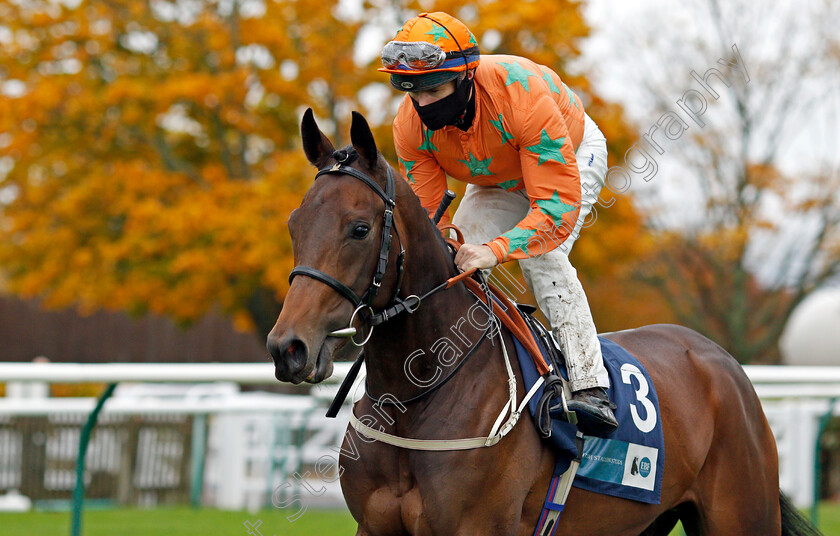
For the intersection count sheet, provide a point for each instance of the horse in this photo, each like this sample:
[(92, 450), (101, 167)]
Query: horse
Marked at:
[(721, 467)]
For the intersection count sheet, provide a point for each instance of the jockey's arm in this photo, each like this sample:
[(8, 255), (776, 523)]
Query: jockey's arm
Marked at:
[(428, 180), (552, 182)]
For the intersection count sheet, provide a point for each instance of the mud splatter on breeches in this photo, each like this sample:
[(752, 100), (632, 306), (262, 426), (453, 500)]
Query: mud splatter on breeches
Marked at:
[(486, 212)]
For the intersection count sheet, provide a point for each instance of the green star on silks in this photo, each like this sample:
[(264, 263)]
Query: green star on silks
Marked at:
[(551, 85), (472, 41), (554, 207), (548, 149), (438, 32), (501, 128), (477, 166), (571, 94), (427, 144), (517, 73), (507, 185), (518, 239), (408, 165)]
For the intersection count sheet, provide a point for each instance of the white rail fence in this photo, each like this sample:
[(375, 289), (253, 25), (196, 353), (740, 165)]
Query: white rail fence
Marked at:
[(250, 450)]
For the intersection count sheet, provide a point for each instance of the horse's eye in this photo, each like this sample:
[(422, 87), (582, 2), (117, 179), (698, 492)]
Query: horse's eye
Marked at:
[(360, 231)]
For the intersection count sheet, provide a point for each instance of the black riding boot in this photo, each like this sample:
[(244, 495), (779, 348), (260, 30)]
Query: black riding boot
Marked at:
[(594, 411)]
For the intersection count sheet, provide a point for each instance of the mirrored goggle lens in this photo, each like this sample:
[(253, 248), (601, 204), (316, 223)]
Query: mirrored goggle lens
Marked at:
[(413, 55)]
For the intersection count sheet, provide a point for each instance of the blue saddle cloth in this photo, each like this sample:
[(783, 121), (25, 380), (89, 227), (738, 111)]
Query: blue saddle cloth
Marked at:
[(627, 463)]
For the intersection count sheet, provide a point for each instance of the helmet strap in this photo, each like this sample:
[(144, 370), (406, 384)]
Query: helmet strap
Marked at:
[(460, 49)]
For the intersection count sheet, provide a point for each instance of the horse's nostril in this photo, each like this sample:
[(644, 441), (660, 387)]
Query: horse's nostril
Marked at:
[(289, 355), (295, 355)]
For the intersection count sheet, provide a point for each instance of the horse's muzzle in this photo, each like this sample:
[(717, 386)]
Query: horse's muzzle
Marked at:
[(290, 356)]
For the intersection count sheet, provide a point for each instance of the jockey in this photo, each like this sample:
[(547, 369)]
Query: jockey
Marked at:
[(534, 163)]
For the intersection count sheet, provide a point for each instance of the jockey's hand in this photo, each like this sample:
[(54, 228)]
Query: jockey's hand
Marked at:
[(475, 256)]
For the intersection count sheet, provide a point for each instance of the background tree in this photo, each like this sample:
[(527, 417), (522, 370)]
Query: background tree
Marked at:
[(149, 153), (151, 149), (745, 208)]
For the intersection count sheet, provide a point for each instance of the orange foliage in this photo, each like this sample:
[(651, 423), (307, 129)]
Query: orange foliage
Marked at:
[(156, 157)]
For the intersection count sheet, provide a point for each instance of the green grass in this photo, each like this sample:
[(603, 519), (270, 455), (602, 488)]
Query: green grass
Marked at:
[(179, 522), (207, 522), (828, 518)]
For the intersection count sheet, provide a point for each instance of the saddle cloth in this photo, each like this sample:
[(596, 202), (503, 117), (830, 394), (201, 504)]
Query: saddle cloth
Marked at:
[(627, 463)]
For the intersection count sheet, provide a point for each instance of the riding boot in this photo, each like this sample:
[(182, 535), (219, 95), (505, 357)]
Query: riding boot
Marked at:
[(594, 411), (560, 296), (591, 404)]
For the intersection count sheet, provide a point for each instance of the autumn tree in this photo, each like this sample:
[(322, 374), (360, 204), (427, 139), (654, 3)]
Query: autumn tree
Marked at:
[(743, 204), (149, 151), (151, 148)]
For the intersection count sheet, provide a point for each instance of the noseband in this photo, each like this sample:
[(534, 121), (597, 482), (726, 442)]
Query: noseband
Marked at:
[(360, 303)]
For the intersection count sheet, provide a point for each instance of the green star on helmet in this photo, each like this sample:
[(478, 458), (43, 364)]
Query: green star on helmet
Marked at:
[(518, 239), (517, 73), (476, 166), (548, 149), (438, 32), (554, 207)]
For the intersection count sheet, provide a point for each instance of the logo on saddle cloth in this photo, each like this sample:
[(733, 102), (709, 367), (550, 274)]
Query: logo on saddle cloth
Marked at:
[(627, 463), (619, 463)]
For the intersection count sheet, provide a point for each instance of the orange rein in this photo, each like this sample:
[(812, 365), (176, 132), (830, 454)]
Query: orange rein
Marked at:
[(513, 322)]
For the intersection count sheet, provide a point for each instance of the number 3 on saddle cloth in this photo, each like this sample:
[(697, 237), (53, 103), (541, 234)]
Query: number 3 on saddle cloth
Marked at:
[(627, 463)]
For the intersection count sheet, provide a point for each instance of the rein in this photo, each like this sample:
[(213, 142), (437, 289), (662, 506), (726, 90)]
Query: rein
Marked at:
[(427, 392), (410, 304)]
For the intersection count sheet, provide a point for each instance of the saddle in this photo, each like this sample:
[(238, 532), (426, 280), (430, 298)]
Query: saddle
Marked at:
[(537, 340), (554, 387)]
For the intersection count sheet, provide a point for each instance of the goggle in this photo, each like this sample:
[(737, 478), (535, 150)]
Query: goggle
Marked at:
[(418, 55)]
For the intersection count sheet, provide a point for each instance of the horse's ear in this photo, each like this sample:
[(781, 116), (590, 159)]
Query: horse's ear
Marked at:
[(362, 139), (317, 147)]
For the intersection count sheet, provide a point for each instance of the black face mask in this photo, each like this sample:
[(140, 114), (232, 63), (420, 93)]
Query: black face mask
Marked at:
[(448, 110)]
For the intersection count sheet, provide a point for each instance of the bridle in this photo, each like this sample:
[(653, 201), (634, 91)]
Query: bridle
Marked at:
[(360, 303), (363, 303)]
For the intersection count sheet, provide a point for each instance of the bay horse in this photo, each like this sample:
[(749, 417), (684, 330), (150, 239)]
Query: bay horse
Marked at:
[(721, 467)]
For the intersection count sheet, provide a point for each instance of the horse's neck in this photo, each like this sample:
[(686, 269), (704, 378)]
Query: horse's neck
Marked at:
[(410, 349)]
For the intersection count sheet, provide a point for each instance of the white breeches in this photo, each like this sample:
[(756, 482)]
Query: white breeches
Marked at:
[(486, 212)]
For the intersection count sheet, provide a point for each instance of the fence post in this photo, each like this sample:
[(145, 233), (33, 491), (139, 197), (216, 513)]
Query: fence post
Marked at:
[(823, 424), (197, 458), (79, 490)]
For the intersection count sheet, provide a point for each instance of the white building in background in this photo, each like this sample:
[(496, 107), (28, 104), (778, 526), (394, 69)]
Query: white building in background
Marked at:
[(812, 334), (810, 338)]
